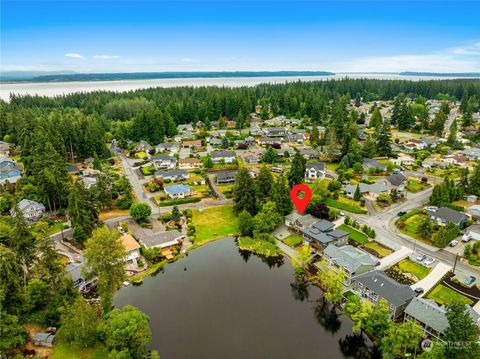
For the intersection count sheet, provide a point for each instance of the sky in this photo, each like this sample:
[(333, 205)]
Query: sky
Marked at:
[(143, 36)]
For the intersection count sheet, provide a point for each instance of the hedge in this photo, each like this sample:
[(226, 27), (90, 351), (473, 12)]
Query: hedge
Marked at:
[(179, 201), (346, 207)]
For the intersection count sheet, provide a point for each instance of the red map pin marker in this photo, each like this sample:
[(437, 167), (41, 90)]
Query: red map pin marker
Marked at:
[(301, 203)]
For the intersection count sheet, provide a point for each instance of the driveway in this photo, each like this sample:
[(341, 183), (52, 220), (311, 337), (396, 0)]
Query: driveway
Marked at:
[(430, 280), (395, 257)]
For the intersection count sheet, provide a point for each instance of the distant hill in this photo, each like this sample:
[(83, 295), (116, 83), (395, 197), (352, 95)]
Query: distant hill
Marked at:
[(160, 75), (27, 75), (441, 74)]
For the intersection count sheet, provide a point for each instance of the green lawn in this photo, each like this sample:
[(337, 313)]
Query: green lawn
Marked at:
[(332, 166), (415, 185), (416, 269), (344, 206), (357, 236), (65, 351), (382, 251), (293, 241), (259, 246), (226, 188), (214, 222), (444, 295)]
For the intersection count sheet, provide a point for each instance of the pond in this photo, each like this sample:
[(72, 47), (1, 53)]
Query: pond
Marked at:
[(220, 302)]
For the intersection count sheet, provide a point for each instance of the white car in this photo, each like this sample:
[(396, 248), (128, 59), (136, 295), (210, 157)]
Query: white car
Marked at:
[(431, 209), (466, 238), (453, 243), (429, 261)]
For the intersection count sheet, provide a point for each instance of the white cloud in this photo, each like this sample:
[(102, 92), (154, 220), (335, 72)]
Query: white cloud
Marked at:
[(74, 55), (458, 59), (105, 57)]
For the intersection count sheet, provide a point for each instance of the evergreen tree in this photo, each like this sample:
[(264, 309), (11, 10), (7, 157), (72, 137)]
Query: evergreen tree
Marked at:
[(396, 111), (297, 170), (175, 214), (438, 123), (83, 215), (225, 142), (376, 118), (97, 164), (208, 163), (245, 223), (384, 141), (264, 182), (369, 148), (245, 193), (461, 329), (357, 196), (314, 137), (267, 219), (280, 195), (331, 147), (270, 155), (452, 136)]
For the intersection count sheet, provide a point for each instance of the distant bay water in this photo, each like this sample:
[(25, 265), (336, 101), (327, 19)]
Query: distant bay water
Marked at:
[(52, 89)]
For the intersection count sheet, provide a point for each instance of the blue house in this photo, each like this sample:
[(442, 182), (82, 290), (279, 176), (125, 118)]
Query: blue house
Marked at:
[(178, 191)]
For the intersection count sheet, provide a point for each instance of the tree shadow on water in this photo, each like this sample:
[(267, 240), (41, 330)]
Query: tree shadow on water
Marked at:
[(300, 288), (356, 346), (327, 315)]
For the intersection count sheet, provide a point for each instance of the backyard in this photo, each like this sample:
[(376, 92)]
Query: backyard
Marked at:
[(414, 185), (444, 295), (416, 269), (293, 241), (214, 222), (408, 224), (355, 235), (380, 250), (345, 205)]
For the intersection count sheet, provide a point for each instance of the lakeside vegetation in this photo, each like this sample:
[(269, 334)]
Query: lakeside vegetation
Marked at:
[(264, 246)]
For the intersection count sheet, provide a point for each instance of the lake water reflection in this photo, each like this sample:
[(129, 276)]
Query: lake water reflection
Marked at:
[(220, 302)]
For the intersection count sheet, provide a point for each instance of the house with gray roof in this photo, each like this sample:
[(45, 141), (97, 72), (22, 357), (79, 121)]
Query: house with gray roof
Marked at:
[(164, 161), (322, 233), (227, 156), (352, 260), (473, 153), (31, 210), (274, 131), (366, 189), (171, 147), (150, 239), (299, 221), (315, 170), (142, 146), (9, 170), (369, 163), (397, 181), (225, 177), (185, 127), (172, 175), (377, 285), (432, 317), (445, 215)]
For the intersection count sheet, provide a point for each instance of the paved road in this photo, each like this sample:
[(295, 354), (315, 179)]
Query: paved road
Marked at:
[(137, 185), (384, 225)]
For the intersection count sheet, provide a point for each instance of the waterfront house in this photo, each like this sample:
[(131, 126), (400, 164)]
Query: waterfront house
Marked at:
[(432, 317), (132, 248), (178, 191), (80, 281), (377, 285), (352, 260), (189, 163), (31, 210), (172, 175), (164, 161), (297, 221), (225, 177), (322, 233), (224, 156), (315, 170), (445, 215), (151, 239)]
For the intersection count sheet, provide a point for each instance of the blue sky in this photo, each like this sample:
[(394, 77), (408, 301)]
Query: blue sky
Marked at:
[(103, 36)]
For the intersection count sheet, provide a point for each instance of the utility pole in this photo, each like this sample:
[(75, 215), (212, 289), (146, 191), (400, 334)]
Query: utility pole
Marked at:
[(455, 264)]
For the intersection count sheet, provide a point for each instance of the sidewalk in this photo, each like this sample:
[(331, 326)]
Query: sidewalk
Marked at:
[(395, 257)]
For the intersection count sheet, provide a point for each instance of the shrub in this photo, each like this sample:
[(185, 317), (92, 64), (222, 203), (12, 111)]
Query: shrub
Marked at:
[(179, 201), (166, 217)]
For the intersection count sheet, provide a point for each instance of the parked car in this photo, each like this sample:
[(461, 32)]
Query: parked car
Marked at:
[(342, 214), (401, 213), (421, 257), (121, 230), (469, 280), (419, 291), (453, 243), (466, 238), (429, 261), (431, 208)]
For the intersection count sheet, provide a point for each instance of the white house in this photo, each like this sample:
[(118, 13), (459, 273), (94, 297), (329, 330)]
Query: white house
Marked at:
[(315, 171), (164, 161), (404, 160), (31, 210), (132, 248), (223, 155)]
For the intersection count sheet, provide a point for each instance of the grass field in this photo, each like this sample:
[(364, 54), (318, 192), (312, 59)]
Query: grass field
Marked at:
[(344, 206), (65, 351), (226, 188), (411, 226), (382, 251), (416, 269), (415, 185), (357, 236), (444, 295), (214, 222), (332, 166), (293, 241), (259, 246)]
